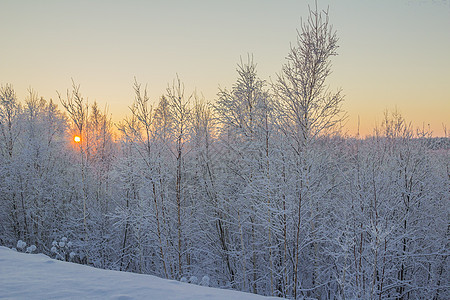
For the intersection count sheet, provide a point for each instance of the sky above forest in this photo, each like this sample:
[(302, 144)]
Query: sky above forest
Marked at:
[(392, 54)]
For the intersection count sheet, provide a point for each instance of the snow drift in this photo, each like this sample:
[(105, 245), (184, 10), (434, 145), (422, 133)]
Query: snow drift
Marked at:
[(37, 276)]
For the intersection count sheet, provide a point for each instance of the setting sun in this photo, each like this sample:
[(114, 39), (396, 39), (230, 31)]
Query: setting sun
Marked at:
[(77, 139)]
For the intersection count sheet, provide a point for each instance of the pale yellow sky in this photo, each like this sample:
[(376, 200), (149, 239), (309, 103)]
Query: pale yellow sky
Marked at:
[(393, 54)]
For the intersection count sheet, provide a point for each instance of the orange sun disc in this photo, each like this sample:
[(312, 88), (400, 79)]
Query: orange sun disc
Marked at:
[(77, 139)]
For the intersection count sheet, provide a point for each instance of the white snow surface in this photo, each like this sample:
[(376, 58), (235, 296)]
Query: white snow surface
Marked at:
[(37, 276)]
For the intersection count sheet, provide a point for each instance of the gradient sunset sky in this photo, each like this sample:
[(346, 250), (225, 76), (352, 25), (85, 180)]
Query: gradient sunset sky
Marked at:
[(392, 54)]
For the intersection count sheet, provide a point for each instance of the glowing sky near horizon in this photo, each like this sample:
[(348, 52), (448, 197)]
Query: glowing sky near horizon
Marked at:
[(393, 54)]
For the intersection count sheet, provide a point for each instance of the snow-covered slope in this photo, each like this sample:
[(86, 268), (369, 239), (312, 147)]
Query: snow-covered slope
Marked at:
[(36, 276)]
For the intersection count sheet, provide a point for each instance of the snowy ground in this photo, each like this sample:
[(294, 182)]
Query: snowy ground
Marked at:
[(36, 276)]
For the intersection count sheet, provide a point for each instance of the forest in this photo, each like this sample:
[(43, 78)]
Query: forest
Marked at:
[(258, 189)]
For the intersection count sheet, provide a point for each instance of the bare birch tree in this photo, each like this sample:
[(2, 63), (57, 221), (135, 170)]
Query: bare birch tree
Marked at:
[(308, 109)]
